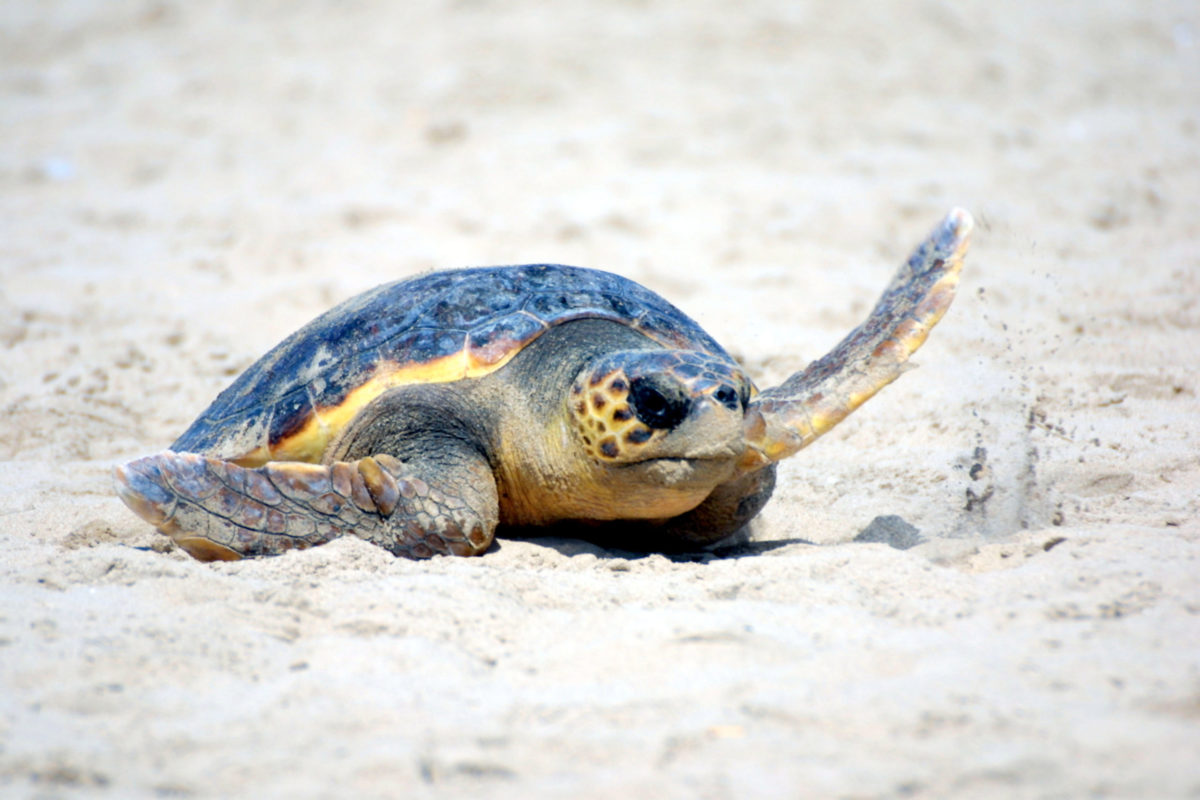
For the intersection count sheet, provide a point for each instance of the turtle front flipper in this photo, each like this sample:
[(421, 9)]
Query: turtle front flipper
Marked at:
[(788, 417), (217, 510)]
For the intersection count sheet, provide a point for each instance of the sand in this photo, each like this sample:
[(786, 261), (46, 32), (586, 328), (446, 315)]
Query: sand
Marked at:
[(181, 185)]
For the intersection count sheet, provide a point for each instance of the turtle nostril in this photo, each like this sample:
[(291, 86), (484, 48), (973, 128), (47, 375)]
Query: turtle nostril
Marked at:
[(728, 397)]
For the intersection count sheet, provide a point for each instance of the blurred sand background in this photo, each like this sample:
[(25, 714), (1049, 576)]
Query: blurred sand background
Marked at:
[(183, 184)]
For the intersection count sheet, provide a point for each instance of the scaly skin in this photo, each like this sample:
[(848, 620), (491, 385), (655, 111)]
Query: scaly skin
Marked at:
[(216, 510), (789, 417)]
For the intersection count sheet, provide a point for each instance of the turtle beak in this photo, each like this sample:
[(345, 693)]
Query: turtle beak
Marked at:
[(715, 425)]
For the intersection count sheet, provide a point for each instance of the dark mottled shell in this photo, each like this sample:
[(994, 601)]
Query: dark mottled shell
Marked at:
[(490, 313)]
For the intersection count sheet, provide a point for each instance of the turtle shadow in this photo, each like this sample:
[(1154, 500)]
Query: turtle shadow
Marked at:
[(735, 551), (889, 529), (570, 546)]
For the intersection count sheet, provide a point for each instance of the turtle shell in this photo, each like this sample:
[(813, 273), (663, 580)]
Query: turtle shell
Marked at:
[(437, 327)]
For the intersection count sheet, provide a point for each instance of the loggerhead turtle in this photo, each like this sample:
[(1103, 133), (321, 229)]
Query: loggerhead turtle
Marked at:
[(423, 414)]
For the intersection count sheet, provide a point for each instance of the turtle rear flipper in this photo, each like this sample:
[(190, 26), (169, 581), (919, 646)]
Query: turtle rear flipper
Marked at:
[(788, 417), (217, 510)]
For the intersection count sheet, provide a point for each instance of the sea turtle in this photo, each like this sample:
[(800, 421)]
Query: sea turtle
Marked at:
[(424, 413)]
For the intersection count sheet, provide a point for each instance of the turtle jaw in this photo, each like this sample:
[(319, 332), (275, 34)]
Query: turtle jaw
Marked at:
[(682, 473), (665, 475), (681, 467), (657, 488)]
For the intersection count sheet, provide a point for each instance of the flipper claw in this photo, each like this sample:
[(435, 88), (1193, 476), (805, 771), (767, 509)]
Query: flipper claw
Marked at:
[(140, 486)]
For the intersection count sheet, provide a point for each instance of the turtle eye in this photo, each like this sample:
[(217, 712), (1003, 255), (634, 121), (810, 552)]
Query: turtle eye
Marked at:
[(658, 402)]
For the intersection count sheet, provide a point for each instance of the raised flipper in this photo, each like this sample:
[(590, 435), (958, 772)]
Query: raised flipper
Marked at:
[(788, 417), (217, 510)]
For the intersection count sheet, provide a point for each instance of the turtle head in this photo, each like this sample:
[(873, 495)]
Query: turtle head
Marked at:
[(661, 417)]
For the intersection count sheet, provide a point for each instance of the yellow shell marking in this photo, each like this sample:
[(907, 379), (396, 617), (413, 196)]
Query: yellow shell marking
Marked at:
[(310, 441)]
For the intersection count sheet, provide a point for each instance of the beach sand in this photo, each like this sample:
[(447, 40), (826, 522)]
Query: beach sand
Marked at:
[(182, 185)]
